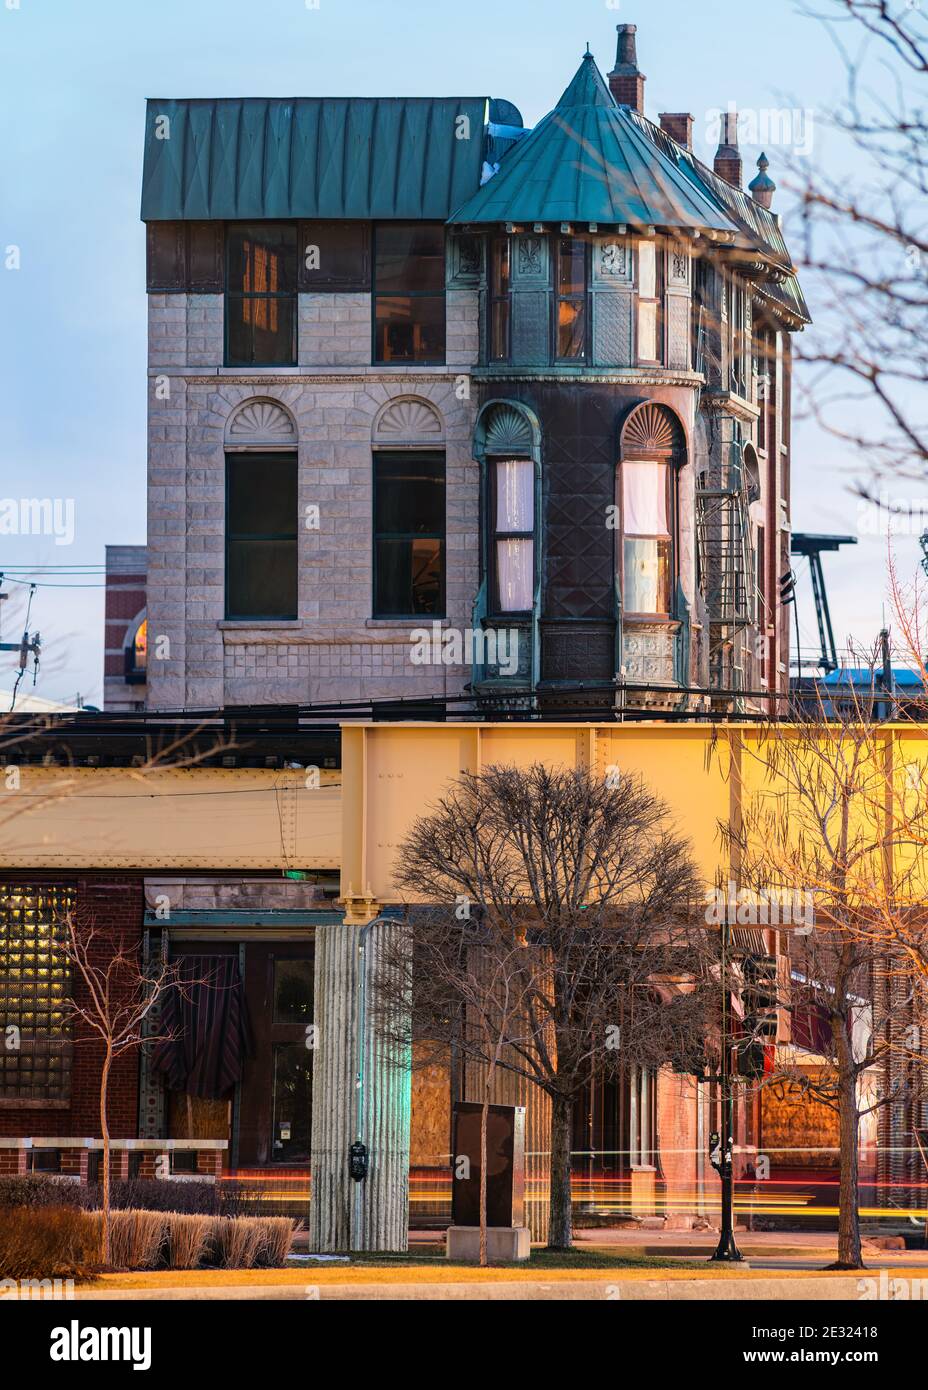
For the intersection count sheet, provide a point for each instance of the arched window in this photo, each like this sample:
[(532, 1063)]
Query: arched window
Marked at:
[(507, 442), (512, 489), (261, 513), (652, 450), (137, 653)]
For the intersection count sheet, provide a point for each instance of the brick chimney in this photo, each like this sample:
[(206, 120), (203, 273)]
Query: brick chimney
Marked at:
[(626, 83), (679, 126), (727, 163)]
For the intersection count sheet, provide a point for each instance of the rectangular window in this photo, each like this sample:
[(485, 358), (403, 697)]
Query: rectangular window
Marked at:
[(35, 986), (736, 337), (647, 543), (500, 284), (763, 616), (261, 536), (514, 534), (571, 299), (261, 276), (409, 534), (409, 292), (650, 295), (334, 256)]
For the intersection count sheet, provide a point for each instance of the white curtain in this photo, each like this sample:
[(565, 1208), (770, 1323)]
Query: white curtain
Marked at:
[(515, 495), (644, 498), (514, 575), (515, 511)]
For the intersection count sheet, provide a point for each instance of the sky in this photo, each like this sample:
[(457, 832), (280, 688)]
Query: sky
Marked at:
[(73, 82)]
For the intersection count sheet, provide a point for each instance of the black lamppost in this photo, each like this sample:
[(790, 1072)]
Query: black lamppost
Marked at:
[(720, 1145)]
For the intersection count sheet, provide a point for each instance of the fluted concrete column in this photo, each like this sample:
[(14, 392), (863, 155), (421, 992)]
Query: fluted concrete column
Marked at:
[(361, 1089)]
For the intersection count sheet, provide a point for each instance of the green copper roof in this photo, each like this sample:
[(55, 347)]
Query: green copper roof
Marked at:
[(756, 225), (587, 161), (311, 157)]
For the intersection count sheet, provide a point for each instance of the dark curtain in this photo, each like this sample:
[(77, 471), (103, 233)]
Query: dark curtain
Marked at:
[(208, 1031)]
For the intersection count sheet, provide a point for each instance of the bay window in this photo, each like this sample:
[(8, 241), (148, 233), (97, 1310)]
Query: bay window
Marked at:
[(500, 280), (647, 537), (513, 538), (571, 299)]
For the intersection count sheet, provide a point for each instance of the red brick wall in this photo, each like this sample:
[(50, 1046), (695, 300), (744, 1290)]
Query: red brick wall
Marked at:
[(676, 1125), (113, 906)]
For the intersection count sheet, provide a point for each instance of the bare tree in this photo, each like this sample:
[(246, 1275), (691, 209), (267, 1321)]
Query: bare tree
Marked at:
[(118, 993), (864, 248), (585, 911), (816, 831)]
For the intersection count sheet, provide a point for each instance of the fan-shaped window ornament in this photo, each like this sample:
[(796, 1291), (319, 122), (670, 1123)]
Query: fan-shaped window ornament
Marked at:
[(508, 431), (651, 429), (408, 421), (261, 424)]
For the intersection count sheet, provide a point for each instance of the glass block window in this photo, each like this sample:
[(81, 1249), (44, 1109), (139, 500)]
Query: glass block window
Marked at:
[(35, 984)]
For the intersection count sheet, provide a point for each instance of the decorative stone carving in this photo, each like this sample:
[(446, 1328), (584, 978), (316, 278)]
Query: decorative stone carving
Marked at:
[(508, 430), (613, 258), (649, 429), (408, 420), (261, 422), (679, 266), (529, 260), (647, 654), (466, 261)]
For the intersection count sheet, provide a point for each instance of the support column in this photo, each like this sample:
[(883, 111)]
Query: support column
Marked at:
[(361, 1090)]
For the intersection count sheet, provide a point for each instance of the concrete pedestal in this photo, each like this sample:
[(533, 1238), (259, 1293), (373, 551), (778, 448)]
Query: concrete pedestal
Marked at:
[(505, 1244)]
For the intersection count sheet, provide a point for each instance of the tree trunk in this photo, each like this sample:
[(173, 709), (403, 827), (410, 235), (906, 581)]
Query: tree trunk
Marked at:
[(849, 1251), (560, 1231), (105, 1131), (484, 1115)]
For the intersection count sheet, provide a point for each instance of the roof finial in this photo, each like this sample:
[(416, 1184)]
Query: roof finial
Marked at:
[(763, 187)]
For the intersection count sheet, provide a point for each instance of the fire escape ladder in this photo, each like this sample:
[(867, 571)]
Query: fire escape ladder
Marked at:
[(726, 559)]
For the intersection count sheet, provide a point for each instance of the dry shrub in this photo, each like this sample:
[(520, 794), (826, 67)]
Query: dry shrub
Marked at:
[(278, 1233), (236, 1241), (48, 1243), (136, 1238), (242, 1242), (186, 1240)]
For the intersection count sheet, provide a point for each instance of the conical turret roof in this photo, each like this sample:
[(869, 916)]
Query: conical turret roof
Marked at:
[(587, 161)]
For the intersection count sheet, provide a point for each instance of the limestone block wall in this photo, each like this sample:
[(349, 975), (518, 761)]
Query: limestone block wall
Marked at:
[(333, 410)]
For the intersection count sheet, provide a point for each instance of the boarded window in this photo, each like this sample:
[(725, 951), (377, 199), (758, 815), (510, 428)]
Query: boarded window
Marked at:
[(185, 256)]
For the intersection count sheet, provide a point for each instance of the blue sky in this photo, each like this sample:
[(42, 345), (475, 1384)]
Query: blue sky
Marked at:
[(73, 82)]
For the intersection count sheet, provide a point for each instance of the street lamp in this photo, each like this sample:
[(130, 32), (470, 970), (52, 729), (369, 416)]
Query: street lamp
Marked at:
[(720, 1145)]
